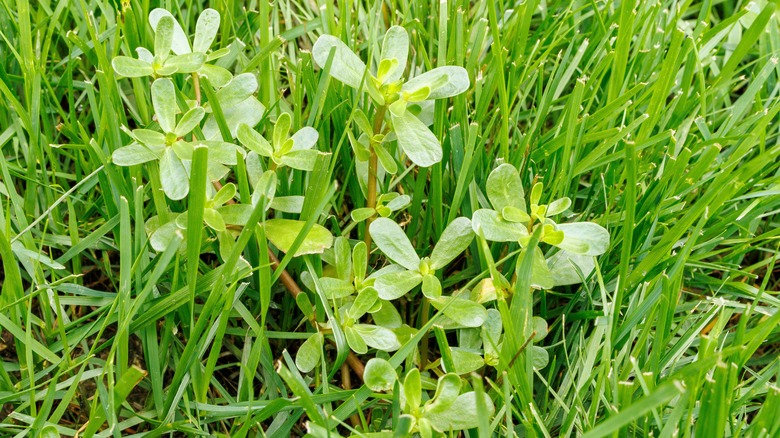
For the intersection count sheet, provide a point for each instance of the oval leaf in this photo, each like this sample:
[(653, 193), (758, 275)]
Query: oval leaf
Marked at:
[(346, 66), (394, 285), (133, 154), (495, 229), (164, 101), (309, 353), (390, 238), (131, 67), (443, 82), (586, 238), (453, 241), (179, 42), (283, 232), (416, 140), (205, 30), (504, 188), (379, 375)]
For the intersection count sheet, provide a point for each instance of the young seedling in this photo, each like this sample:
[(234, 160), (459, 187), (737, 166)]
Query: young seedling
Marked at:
[(448, 410), (392, 241), (169, 146), (294, 151), (511, 221)]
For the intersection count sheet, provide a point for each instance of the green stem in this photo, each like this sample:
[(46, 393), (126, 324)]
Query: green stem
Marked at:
[(373, 164)]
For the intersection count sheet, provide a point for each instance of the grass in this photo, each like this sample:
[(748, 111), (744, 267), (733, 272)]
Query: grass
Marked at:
[(659, 119)]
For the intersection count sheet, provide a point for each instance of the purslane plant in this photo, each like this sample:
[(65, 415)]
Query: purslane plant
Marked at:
[(511, 220), (361, 298), (389, 92)]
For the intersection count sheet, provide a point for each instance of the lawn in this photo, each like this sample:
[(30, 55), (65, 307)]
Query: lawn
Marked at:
[(389, 219)]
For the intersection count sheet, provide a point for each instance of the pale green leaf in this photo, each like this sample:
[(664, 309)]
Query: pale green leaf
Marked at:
[(431, 286), (218, 76), (131, 67), (283, 232), (378, 337), (395, 46), (301, 160), (495, 229), (164, 101), (305, 138), (346, 66), (189, 121), (213, 219), (253, 140), (586, 238), (288, 204), (565, 265), (361, 214), (238, 90), (464, 312), (416, 140), (179, 42), (504, 188), (461, 414), (133, 154), (309, 353), (452, 242), (342, 253), (465, 361), (541, 357), (385, 159), (363, 303), (336, 287), (394, 285), (173, 176), (392, 241), (205, 30), (379, 375), (163, 36), (443, 82), (447, 390), (355, 341), (187, 63)]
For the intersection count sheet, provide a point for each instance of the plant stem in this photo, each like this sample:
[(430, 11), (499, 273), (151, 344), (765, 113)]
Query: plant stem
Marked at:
[(373, 164)]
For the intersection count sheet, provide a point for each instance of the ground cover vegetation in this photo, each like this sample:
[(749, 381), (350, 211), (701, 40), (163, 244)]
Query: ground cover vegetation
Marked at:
[(395, 218)]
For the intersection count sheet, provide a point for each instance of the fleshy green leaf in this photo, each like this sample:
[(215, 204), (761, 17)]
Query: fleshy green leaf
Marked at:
[(301, 160), (305, 138), (495, 229), (453, 241), (133, 154), (187, 63), (248, 112), (379, 375), (361, 214), (443, 82), (378, 337), (288, 204), (164, 101), (189, 121), (283, 232), (431, 286), (465, 361), (131, 67), (238, 90), (163, 36), (179, 42), (412, 389), (205, 30), (558, 206), (396, 284), (218, 76), (385, 159), (540, 327), (504, 188), (586, 238), (395, 46), (447, 391), (254, 141), (564, 266), (355, 341), (225, 194), (173, 176), (363, 303), (461, 414), (213, 219), (343, 256), (336, 287), (541, 357), (359, 261), (416, 140), (390, 238), (346, 67), (464, 312), (309, 353)]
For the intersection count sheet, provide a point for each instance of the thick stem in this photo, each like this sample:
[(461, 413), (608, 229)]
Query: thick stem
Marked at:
[(373, 164)]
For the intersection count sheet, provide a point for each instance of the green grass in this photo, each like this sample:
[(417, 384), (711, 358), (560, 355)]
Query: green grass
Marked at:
[(659, 122)]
